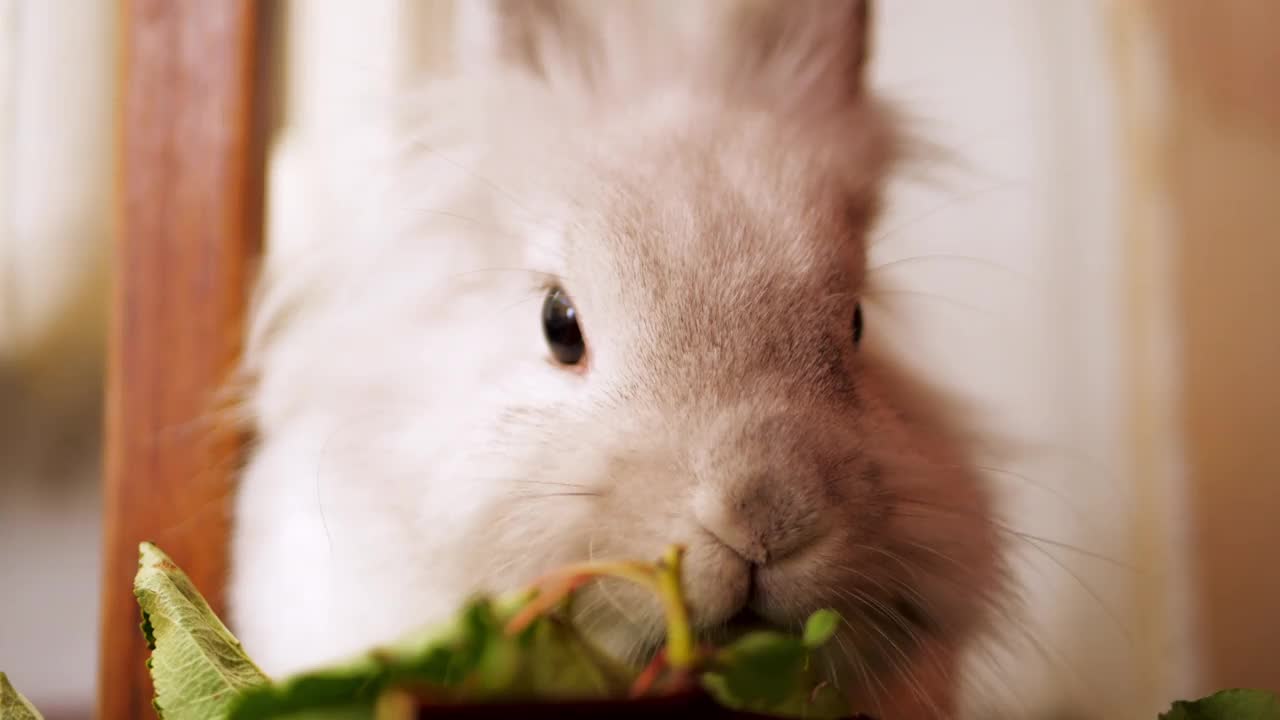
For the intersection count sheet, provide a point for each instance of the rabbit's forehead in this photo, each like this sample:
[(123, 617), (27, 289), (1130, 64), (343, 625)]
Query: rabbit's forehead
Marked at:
[(720, 277), (699, 194), (721, 234)]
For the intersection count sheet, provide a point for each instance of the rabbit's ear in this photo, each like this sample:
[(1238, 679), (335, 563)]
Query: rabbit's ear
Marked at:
[(803, 56), (540, 36), (806, 57)]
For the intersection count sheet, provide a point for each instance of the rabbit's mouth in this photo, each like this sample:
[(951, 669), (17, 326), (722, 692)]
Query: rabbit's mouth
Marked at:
[(743, 622)]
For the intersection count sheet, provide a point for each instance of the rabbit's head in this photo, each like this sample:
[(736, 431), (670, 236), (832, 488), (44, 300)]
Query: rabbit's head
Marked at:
[(611, 301)]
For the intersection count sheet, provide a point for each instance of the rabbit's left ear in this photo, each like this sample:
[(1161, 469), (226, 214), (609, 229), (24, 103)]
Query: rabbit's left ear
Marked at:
[(538, 36)]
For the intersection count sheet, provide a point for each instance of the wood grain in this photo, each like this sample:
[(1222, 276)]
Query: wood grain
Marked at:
[(189, 228)]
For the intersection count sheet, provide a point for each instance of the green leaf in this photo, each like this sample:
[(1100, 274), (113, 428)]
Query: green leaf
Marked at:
[(764, 667), (769, 673), (197, 666), (12, 705), (472, 659), (820, 627), (560, 663), (1228, 705)]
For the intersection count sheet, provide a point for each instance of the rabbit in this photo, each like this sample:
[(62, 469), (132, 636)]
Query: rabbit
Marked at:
[(601, 292)]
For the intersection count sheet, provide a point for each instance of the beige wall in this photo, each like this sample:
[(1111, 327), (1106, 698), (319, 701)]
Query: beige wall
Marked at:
[(1221, 162)]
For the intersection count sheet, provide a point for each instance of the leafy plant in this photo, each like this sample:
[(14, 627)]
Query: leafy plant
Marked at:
[(518, 648)]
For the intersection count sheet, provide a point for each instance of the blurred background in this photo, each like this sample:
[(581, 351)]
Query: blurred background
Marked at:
[(1094, 266)]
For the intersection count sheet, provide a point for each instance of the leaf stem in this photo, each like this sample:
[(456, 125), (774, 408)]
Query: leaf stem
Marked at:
[(680, 649), (649, 675), (663, 578), (556, 587)]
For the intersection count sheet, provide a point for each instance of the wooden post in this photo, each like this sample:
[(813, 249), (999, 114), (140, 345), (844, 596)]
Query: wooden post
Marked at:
[(189, 230)]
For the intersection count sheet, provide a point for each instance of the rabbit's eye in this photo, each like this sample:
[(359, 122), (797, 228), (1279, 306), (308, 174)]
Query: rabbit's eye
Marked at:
[(560, 326), (857, 323)]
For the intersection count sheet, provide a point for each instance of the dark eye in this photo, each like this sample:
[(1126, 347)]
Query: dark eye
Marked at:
[(857, 323), (560, 326)]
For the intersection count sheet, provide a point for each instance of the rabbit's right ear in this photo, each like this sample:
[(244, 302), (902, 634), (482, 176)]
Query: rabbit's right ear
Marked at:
[(808, 57), (542, 37)]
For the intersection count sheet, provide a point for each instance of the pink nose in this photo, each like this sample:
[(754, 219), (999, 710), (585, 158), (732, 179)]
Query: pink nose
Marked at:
[(759, 527), (729, 523)]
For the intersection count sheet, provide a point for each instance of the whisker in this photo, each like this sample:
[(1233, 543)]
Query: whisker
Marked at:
[(529, 297), (1086, 587), (951, 202), (1048, 653), (934, 257), (868, 677), (1002, 527), (1115, 562), (901, 663), (544, 496), (527, 271), (487, 225), (604, 590), (325, 448), (1045, 487), (499, 191), (523, 481), (419, 145), (904, 586), (873, 292)]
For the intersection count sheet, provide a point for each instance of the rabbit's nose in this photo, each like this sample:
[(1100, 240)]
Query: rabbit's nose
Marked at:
[(731, 526), (760, 527)]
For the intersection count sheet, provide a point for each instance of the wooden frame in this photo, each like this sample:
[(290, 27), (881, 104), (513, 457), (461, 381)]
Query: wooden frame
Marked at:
[(189, 229)]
